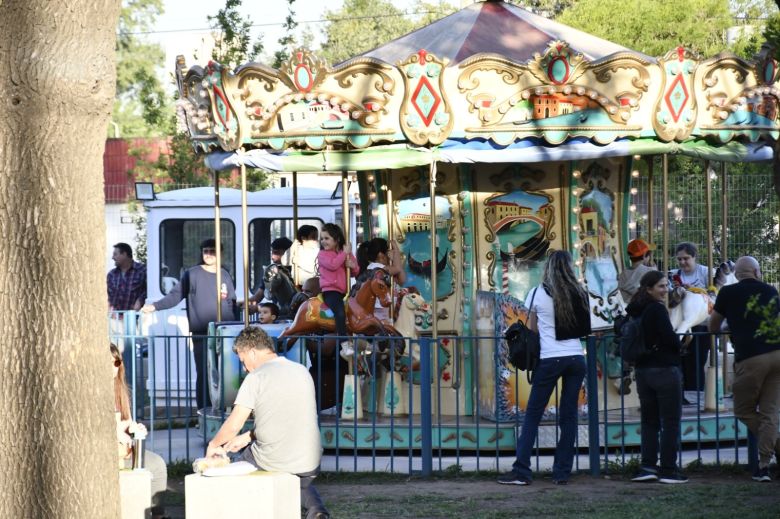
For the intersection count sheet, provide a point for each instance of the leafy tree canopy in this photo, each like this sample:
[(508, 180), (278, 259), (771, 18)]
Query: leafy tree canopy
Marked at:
[(361, 25), (654, 27), (141, 108), (234, 44)]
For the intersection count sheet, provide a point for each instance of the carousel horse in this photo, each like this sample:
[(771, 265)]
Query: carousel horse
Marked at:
[(281, 289), (314, 316), (412, 309), (689, 307)]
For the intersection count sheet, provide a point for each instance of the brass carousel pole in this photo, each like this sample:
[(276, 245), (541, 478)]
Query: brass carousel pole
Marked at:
[(296, 275), (724, 256), (244, 238), (434, 257), (650, 201), (390, 236), (345, 217), (218, 244), (710, 395), (665, 196)]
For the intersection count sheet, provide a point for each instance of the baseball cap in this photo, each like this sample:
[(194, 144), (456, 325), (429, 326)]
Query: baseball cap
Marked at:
[(638, 248), (281, 244)]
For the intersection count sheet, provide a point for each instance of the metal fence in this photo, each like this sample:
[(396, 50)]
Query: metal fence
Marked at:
[(377, 415), (742, 197)]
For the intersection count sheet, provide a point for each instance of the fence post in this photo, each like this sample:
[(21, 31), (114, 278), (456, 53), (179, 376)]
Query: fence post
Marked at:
[(594, 447), (426, 418), (752, 452)]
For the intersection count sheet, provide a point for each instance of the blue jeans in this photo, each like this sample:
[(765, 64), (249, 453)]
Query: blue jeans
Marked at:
[(660, 400), (335, 301), (572, 370)]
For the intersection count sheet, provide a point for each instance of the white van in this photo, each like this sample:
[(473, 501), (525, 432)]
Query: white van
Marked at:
[(177, 221)]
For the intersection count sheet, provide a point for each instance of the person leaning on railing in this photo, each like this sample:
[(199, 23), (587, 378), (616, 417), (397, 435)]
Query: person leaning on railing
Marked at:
[(756, 384)]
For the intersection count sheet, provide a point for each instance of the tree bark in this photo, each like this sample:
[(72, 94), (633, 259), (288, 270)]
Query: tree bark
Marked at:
[(57, 437)]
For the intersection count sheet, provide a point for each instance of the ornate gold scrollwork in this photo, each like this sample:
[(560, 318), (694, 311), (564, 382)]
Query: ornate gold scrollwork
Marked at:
[(676, 110), (425, 116)]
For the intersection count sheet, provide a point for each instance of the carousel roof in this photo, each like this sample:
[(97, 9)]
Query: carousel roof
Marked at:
[(497, 28), (489, 83)]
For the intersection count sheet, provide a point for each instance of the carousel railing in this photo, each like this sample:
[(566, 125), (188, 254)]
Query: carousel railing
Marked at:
[(404, 425)]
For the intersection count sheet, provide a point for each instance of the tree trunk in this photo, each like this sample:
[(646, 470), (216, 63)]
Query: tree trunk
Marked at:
[(57, 437)]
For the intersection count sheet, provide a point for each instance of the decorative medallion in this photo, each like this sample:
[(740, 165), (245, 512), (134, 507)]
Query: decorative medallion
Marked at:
[(426, 117), (676, 112)]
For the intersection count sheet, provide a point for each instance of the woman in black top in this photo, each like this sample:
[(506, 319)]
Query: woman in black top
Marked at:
[(658, 381)]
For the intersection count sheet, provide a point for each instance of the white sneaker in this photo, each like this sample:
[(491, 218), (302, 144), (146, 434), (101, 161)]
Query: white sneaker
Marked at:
[(347, 350)]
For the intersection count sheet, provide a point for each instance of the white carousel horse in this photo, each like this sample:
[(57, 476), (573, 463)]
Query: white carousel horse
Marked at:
[(692, 307), (412, 306)]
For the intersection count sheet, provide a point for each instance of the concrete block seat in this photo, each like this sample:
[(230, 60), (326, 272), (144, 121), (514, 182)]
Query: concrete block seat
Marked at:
[(258, 495), (135, 493)]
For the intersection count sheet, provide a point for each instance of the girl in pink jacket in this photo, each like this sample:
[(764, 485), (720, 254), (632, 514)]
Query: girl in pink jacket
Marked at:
[(333, 259)]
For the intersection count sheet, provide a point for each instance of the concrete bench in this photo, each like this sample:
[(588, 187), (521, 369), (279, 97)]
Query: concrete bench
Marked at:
[(135, 493), (268, 495)]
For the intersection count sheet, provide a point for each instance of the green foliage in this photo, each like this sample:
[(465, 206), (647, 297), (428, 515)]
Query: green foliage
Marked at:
[(654, 27), (141, 108), (772, 31), (770, 318), (288, 40), (547, 8), (361, 25), (234, 44)]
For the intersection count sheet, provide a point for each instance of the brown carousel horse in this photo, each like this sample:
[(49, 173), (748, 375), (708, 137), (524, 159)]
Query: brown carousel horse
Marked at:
[(313, 316)]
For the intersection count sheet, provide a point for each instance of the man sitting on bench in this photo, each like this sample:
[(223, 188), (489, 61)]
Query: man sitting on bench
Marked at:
[(286, 437)]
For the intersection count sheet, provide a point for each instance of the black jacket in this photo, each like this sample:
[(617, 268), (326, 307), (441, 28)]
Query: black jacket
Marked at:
[(658, 332)]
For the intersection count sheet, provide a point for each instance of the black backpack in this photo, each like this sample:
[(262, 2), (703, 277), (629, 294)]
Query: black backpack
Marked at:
[(630, 336), (524, 347)]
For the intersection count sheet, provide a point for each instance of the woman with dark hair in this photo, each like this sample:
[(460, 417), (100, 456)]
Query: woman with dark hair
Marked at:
[(126, 428), (658, 382), (560, 311)]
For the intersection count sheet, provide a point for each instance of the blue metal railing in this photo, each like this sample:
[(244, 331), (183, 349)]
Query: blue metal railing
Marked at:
[(457, 420)]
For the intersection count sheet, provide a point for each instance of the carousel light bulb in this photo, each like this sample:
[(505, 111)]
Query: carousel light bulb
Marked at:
[(359, 229), (670, 205), (576, 245), (576, 191), (358, 212), (632, 207), (634, 191), (575, 227), (575, 210), (632, 225), (370, 177), (635, 173), (371, 195), (375, 212), (377, 230), (576, 173)]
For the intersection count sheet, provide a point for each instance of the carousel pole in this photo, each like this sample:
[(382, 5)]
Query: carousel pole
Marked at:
[(665, 196), (650, 200), (296, 274), (711, 378), (724, 256), (434, 257), (218, 244), (345, 218), (244, 237), (390, 236)]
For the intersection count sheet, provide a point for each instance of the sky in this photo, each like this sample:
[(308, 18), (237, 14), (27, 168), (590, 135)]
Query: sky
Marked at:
[(180, 30)]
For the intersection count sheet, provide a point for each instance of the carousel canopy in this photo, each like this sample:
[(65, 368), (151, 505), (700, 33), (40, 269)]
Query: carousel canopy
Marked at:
[(489, 83), (497, 28)]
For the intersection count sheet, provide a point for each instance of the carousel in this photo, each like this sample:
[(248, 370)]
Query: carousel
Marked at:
[(480, 143)]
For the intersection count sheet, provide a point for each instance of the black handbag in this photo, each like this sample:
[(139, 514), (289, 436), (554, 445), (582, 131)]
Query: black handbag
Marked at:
[(523, 345)]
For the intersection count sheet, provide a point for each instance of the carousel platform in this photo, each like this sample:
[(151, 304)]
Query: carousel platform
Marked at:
[(617, 428)]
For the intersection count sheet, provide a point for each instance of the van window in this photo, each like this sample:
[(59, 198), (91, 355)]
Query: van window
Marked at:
[(180, 248), (262, 231)]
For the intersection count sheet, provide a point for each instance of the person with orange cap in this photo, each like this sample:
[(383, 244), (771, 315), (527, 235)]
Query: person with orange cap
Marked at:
[(641, 255)]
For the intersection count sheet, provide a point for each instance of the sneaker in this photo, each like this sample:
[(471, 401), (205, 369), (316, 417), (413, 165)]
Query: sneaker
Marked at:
[(347, 350), (513, 478), (645, 474), (673, 479), (762, 475)]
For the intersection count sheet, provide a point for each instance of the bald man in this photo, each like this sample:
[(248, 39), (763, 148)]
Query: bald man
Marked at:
[(757, 363)]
